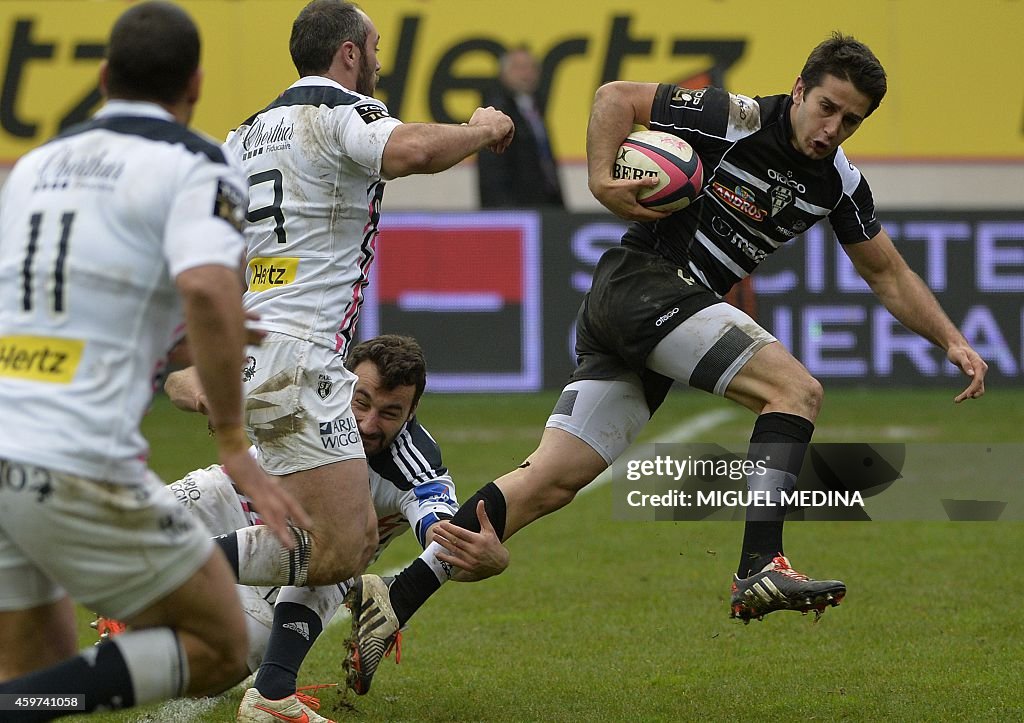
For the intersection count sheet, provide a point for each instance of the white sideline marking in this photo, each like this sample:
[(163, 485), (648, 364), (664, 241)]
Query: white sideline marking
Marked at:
[(685, 432)]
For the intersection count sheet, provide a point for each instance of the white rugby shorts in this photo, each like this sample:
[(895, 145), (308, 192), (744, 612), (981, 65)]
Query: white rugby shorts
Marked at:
[(115, 548), (298, 406)]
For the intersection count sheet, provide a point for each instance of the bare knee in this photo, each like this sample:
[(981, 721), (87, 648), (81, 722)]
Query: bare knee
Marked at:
[(801, 394), (340, 556)]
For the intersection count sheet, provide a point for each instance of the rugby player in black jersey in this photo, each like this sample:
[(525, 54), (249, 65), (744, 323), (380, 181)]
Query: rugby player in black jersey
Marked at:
[(774, 167)]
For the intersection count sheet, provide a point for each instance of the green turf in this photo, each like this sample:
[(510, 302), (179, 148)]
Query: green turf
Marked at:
[(604, 620)]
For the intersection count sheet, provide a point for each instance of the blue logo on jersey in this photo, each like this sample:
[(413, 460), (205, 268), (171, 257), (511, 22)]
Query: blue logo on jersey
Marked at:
[(433, 491), (325, 428)]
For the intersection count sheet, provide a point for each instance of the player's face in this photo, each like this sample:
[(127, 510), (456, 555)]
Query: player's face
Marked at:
[(826, 115), (380, 413), (369, 67)]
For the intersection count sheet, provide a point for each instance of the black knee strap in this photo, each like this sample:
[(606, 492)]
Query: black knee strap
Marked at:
[(494, 504)]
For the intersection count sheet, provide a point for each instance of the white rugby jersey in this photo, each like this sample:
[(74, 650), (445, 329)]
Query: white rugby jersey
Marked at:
[(94, 226), (313, 162)]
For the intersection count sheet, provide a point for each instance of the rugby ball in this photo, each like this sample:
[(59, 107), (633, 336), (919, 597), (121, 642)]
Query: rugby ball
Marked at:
[(670, 159)]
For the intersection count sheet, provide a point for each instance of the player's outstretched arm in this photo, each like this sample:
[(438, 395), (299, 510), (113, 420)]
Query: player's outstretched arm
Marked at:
[(475, 555), (434, 147), (618, 106), (215, 327), (913, 304)]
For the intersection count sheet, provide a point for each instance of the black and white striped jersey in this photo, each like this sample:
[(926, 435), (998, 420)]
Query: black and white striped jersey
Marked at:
[(759, 191), (410, 485)]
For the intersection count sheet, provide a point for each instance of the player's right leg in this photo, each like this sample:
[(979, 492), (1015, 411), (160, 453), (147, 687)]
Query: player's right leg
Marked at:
[(299, 415), (131, 553)]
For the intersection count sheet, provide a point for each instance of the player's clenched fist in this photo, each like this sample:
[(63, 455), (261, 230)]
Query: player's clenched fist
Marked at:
[(503, 128)]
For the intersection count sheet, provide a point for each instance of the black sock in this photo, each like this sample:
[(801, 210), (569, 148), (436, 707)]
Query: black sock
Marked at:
[(780, 441), (100, 674), (229, 544), (296, 628), (411, 588)]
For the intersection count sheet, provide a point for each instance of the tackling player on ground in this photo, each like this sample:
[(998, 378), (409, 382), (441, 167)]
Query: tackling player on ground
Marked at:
[(654, 315), (409, 485)]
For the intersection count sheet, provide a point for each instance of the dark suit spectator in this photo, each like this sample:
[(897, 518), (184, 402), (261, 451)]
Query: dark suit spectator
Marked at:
[(526, 175)]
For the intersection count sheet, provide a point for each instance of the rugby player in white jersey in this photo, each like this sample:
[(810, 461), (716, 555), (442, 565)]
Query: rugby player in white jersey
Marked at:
[(316, 160), (409, 485), (111, 236)]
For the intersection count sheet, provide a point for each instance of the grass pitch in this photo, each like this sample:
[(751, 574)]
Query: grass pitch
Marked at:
[(602, 620)]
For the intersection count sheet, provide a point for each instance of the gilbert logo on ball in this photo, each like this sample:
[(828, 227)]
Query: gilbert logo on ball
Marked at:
[(653, 154)]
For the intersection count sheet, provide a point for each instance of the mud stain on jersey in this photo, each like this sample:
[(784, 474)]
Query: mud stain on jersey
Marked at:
[(270, 408), (325, 162), (744, 113)]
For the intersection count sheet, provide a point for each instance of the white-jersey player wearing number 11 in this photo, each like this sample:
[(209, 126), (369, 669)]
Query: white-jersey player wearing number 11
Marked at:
[(316, 159), (115, 238)]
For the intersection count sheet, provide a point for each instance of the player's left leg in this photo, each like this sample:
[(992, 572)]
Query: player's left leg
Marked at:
[(592, 423), (37, 638), (722, 351), (300, 615)]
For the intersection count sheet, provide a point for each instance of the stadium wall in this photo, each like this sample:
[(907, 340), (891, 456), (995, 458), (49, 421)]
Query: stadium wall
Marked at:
[(944, 154), (492, 296)]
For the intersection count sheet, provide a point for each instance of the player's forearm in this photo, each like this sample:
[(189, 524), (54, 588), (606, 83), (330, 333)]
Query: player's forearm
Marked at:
[(618, 106), (215, 327), (431, 148), (913, 304)]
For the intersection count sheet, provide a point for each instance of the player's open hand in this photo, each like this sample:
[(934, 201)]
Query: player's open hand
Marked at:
[(277, 508), (500, 126), (475, 555), (619, 197), (971, 364)]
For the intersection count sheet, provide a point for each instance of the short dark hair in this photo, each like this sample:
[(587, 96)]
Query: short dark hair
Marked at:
[(152, 53), (849, 59), (320, 29), (399, 360)]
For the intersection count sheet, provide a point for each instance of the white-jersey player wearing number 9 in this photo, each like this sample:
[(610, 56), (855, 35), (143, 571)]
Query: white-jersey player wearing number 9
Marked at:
[(316, 159), (111, 236)]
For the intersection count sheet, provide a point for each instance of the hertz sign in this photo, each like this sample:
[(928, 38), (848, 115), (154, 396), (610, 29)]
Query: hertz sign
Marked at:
[(439, 57)]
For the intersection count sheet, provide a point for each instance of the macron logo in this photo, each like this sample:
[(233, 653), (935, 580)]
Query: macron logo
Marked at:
[(300, 628)]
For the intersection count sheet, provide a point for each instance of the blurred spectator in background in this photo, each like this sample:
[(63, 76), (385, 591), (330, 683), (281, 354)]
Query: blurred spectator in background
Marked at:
[(526, 174)]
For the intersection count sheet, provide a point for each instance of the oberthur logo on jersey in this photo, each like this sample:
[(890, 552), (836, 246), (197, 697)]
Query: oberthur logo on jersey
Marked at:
[(262, 137), (269, 273), (40, 358)]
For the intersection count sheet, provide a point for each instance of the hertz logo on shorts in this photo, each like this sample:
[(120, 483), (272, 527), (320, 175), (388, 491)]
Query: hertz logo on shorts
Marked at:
[(271, 272), (40, 358)]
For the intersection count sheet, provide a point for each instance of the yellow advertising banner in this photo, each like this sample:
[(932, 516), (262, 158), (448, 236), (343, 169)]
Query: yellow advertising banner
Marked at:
[(956, 86)]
